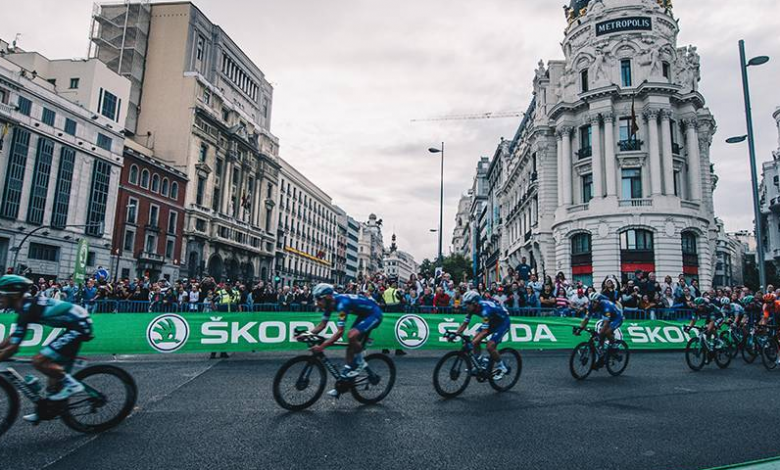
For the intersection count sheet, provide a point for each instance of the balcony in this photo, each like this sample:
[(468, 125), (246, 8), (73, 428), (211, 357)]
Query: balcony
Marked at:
[(636, 203), (585, 152), (630, 145), (7, 109), (577, 208), (150, 257), (152, 227), (689, 205)]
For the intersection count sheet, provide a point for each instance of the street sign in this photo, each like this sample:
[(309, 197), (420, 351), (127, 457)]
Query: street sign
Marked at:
[(79, 272)]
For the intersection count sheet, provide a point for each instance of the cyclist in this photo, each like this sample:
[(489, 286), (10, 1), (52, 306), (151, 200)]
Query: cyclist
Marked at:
[(611, 313), (708, 311), (54, 360), (733, 310), (771, 310), (495, 322), (367, 314)]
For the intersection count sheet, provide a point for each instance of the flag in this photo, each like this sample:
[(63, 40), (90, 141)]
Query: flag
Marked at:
[(634, 125)]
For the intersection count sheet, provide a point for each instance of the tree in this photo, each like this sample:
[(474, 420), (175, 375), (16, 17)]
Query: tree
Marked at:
[(458, 266), (426, 268)]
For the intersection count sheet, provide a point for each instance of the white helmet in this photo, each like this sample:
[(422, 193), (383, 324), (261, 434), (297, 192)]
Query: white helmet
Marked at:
[(594, 297), (471, 297), (321, 290)]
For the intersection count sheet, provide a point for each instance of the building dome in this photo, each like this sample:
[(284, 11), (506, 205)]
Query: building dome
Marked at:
[(372, 217), (577, 5)]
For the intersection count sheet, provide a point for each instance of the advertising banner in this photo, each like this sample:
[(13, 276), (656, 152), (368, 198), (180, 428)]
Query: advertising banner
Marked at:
[(155, 333), (80, 271)]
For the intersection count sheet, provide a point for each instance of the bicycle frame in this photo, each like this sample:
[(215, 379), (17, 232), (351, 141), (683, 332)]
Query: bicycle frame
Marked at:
[(18, 382)]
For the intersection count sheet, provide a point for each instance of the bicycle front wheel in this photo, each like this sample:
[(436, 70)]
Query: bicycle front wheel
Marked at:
[(452, 374), (617, 358), (730, 343), (9, 405), (582, 360), (299, 383), (722, 353), (769, 354), (695, 354), (376, 380), (108, 398), (514, 362), (749, 352)]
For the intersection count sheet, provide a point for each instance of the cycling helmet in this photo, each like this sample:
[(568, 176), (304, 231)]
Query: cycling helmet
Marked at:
[(594, 297), (321, 290), (725, 301), (747, 300), (471, 297), (699, 301), (769, 298), (12, 284)]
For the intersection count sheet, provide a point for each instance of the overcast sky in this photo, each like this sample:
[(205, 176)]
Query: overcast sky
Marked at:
[(349, 75)]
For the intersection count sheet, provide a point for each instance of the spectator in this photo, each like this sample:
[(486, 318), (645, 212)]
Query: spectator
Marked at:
[(531, 299), (441, 299), (523, 270)]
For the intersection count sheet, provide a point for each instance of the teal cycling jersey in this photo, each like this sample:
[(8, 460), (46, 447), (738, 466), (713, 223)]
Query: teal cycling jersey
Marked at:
[(44, 311)]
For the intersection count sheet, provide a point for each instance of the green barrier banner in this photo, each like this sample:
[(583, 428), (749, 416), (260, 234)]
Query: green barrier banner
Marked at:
[(153, 333)]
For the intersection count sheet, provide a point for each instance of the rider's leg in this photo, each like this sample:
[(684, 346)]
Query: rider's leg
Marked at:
[(493, 351), (53, 371), (355, 345), (584, 321)]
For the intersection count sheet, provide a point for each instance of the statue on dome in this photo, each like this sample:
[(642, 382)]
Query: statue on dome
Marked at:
[(541, 71)]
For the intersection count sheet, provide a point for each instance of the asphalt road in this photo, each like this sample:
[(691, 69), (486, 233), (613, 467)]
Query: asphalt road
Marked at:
[(195, 414)]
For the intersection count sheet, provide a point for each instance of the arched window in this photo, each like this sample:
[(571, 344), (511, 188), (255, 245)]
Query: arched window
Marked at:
[(156, 183), (145, 178), (636, 252), (133, 177), (164, 189), (582, 258), (690, 255), (174, 190)]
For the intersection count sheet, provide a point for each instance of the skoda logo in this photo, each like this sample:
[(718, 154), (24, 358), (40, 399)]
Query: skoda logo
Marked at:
[(411, 331), (167, 333)]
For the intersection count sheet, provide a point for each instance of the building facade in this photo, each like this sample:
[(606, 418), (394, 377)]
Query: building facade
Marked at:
[(204, 108), (308, 230), (353, 248), (60, 160), (770, 202), (371, 247), (609, 171), (149, 224), (399, 265), (460, 234)]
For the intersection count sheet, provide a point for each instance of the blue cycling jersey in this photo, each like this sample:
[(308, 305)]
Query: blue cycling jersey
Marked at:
[(606, 307), (44, 311), (492, 314), (359, 306)]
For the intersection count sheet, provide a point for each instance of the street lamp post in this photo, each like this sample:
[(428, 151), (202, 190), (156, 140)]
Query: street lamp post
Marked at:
[(760, 60), (18, 248), (440, 259)]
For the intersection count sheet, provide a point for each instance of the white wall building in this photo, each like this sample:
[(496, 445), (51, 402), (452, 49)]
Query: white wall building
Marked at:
[(770, 201), (461, 236), (353, 248), (609, 171), (59, 161), (370, 247), (399, 264)]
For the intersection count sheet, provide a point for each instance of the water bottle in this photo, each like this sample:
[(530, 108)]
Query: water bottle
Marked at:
[(33, 383)]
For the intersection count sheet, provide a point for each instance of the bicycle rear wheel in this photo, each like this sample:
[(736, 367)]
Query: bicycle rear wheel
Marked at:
[(695, 354), (109, 397), (299, 383), (729, 342), (722, 353), (514, 362), (376, 380), (749, 352), (617, 358), (452, 374), (582, 360), (769, 354), (9, 405)]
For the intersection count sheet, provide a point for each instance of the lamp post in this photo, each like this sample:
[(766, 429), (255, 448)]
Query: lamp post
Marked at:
[(439, 259), (760, 60), (18, 248)]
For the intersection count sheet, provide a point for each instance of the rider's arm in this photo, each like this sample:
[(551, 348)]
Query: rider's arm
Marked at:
[(339, 331), (465, 324)]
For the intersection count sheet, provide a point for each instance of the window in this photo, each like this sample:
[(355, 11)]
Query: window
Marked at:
[(169, 244), (201, 189), (145, 178), (90, 258), (128, 243), (164, 188), (156, 183), (48, 116), (199, 50), (70, 126), (667, 71), (268, 217), (43, 252), (584, 80), (25, 106), (587, 188), (154, 215), (109, 105), (98, 199), (206, 96), (59, 217), (632, 183), (174, 190), (204, 152), (40, 181), (74, 83), (173, 221), (4, 96), (133, 176), (150, 245), (689, 243), (625, 72), (226, 115), (14, 177), (677, 184), (586, 151), (270, 192), (104, 142), (215, 198), (636, 240), (132, 211)]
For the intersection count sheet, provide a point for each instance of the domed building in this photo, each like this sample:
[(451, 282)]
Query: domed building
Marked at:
[(609, 171)]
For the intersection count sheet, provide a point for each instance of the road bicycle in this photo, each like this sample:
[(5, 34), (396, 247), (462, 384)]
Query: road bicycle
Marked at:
[(755, 340), (590, 355), (769, 347), (700, 351), (299, 383), (109, 396), (455, 369), (734, 338)]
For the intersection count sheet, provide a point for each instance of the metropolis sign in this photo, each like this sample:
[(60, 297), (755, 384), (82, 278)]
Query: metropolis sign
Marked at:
[(624, 24)]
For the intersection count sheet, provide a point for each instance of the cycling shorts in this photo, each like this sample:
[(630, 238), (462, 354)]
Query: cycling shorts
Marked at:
[(497, 330), (65, 347), (366, 324), (615, 322)]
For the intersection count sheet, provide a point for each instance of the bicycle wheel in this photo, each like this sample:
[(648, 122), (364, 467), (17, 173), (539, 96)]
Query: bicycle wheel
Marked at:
[(730, 343), (617, 358), (376, 380), (9, 405), (722, 353), (452, 374), (299, 383), (749, 352), (582, 360), (695, 354), (769, 354), (514, 362), (109, 397)]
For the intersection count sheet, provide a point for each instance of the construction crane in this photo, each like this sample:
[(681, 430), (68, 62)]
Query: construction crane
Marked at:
[(488, 115)]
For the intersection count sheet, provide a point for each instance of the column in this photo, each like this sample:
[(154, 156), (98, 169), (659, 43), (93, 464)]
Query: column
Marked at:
[(258, 202), (566, 162), (694, 159), (651, 116), (666, 144), (559, 165), (598, 187), (609, 153), (226, 186)]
